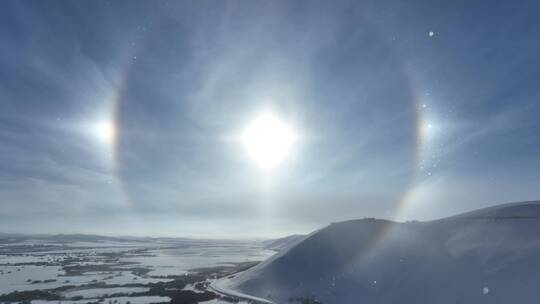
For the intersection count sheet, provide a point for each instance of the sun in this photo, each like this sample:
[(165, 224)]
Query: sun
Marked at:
[(268, 140), (104, 131)]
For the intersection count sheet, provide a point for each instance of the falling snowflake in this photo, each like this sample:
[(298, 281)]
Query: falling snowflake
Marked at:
[(485, 290), (431, 34)]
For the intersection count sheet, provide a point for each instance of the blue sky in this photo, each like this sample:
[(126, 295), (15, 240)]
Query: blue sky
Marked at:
[(405, 110)]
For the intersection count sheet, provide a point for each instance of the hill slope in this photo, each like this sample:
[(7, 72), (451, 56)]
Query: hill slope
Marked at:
[(283, 243), (486, 256)]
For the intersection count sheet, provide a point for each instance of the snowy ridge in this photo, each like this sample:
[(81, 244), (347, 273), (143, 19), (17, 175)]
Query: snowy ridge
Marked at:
[(283, 243), (505, 211)]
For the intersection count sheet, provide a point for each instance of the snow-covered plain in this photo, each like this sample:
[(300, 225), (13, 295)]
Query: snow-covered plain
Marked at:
[(487, 256), (116, 300), (92, 293), (95, 268), (166, 262)]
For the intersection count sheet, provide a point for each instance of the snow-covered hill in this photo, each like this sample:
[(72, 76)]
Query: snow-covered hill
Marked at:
[(284, 242), (486, 256)]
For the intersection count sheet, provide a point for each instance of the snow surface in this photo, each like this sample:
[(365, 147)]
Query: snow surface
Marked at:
[(175, 261), (43, 263), (219, 301), (15, 277), (487, 256), (221, 287), (91, 293), (139, 300), (119, 300)]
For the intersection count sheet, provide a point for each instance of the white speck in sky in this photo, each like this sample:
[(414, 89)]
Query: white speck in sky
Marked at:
[(431, 34), (485, 290)]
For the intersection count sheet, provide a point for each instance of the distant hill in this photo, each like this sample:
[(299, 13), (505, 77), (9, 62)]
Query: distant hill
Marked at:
[(490, 255), (60, 238), (90, 238), (81, 238)]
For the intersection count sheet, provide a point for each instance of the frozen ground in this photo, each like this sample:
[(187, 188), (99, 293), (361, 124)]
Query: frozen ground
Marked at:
[(92, 293), (116, 300), (82, 269)]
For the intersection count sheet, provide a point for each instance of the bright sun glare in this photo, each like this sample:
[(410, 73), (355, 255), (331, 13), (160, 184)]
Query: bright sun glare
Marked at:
[(268, 140), (105, 131)]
